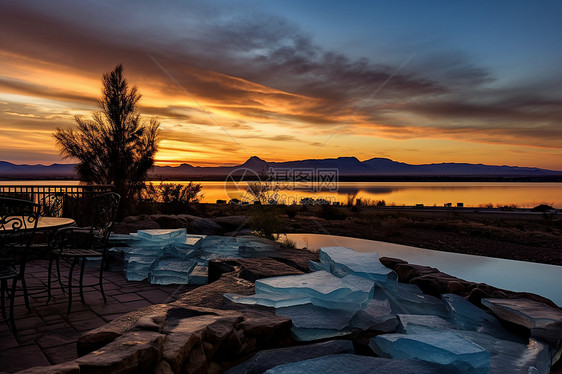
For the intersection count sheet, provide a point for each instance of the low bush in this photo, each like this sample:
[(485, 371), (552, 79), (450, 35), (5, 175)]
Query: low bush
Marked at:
[(265, 221), (331, 212)]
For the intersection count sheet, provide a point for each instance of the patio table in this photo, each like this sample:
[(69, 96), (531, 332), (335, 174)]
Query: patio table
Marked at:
[(46, 223)]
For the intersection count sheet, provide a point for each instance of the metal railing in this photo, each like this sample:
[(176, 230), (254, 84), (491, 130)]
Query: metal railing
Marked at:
[(55, 200)]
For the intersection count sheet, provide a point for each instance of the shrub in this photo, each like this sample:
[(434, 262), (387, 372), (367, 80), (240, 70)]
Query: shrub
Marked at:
[(291, 211), (351, 198), (266, 222), (173, 197), (331, 212), (390, 227)]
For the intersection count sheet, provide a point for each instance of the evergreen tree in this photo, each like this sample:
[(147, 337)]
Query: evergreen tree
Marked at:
[(115, 147)]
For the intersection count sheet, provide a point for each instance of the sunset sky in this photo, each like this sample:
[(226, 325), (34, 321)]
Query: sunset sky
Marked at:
[(414, 81)]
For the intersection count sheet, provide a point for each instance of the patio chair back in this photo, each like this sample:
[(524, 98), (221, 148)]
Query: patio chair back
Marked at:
[(18, 221), (52, 205), (103, 210)]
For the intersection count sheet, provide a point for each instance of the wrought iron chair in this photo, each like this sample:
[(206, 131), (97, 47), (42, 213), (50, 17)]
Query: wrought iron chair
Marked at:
[(18, 222), (52, 204), (77, 244)]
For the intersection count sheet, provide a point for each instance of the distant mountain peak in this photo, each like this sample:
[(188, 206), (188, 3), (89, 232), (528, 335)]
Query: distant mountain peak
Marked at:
[(346, 166), (255, 163)]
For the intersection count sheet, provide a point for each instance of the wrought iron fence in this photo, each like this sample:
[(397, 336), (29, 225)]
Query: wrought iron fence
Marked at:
[(57, 201)]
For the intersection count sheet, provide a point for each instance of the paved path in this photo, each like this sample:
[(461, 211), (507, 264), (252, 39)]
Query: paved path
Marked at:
[(47, 335)]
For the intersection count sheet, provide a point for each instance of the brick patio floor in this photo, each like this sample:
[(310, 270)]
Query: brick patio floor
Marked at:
[(47, 335)]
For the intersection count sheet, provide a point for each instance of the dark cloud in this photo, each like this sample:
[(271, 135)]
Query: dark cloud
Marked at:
[(264, 68), (27, 88)]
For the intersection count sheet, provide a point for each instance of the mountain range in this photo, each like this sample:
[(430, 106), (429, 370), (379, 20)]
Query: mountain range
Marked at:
[(346, 166)]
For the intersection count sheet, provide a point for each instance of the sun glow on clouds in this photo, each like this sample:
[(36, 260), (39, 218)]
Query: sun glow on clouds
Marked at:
[(245, 85)]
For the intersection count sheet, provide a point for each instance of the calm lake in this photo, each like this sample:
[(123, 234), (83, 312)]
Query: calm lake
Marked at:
[(523, 195)]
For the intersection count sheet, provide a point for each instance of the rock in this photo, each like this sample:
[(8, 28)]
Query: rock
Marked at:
[(283, 262), (240, 232), (188, 217), (434, 283), (408, 271), (211, 295), (132, 219), (346, 261), (253, 269), (391, 262), (323, 288), (467, 316), (163, 367), (150, 323), (409, 299), (317, 266), (524, 312), (232, 345), (217, 267), (267, 359), (232, 223), (456, 287), (377, 316), (134, 352), (543, 321), (266, 327), (440, 347), (415, 324), (512, 357), (171, 222), (126, 228), (217, 332), (313, 317), (99, 337), (493, 292), (64, 368), (355, 364), (183, 334), (197, 363), (204, 226), (297, 258)]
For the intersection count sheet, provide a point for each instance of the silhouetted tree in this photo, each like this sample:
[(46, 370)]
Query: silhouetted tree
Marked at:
[(115, 147)]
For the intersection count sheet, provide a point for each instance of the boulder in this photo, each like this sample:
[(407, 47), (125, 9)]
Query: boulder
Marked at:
[(252, 269), (185, 335), (232, 223), (204, 226), (354, 364), (103, 335), (134, 352), (211, 295), (267, 359), (163, 367), (434, 282), (171, 222), (408, 271), (188, 217), (64, 368), (543, 322), (127, 228), (132, 219)]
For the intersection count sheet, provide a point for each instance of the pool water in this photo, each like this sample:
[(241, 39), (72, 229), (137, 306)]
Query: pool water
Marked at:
[(520, 276)]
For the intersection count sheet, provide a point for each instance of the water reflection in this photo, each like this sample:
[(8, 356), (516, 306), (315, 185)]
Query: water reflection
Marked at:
[(525, 195)]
